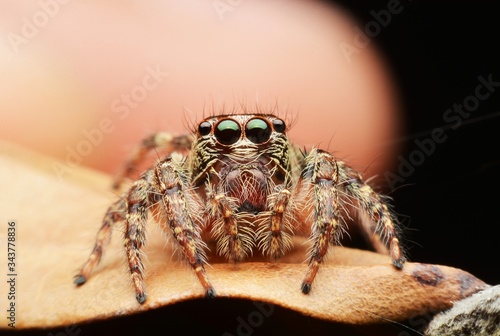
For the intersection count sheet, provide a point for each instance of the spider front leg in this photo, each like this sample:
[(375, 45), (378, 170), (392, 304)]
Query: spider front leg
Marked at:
[(158, 141), (319, 183), (179, 210), (381, 225)]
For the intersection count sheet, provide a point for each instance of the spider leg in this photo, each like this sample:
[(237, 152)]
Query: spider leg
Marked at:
[(234, 241), (135, 233), (182, 211), (115, 213), (319, 182), (275, 232), (162, 140), (380, 226)]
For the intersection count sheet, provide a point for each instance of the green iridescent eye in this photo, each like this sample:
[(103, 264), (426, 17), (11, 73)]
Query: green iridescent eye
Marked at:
[(227, 132), (257, 131)]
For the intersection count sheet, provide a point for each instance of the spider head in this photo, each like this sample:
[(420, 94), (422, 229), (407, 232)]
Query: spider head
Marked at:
[(232, 131), (244, 154)]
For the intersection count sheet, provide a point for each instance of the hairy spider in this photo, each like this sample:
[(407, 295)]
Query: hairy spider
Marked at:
[(240, 181)]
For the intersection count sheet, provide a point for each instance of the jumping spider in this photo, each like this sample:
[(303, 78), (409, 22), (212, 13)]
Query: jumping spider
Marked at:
[(241, 182)]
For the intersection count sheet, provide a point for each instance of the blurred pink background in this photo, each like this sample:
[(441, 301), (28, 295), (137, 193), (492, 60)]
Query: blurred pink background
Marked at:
[(84, 81)]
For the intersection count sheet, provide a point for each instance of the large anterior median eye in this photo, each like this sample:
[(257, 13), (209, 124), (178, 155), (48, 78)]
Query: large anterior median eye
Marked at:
[(257, 131), (227, 132)]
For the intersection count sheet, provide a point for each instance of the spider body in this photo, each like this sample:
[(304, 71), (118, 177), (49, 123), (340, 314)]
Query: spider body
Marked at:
[(239, 181)]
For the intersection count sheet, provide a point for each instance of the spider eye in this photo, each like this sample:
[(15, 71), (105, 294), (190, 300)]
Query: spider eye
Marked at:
[(227, 132), (279, 125), (204, 128), (257, 131)]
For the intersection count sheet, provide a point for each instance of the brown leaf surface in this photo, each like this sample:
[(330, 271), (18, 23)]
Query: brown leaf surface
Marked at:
[(57, 219)]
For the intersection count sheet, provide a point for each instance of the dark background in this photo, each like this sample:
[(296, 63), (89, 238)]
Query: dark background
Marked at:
[(436, 51)]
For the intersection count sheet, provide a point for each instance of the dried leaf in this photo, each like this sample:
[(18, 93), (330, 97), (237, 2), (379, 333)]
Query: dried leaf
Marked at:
[(58, 212)]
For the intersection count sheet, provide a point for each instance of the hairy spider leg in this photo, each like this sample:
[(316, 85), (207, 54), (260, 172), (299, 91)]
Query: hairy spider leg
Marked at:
[(135, 231), (380, 226), (115, 213), (320, 178), (275, 233), (163, 141), (181, 211), (234, 241)]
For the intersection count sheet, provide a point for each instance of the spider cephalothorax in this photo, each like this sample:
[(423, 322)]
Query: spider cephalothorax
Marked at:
[(241, 182), (240, 162)]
